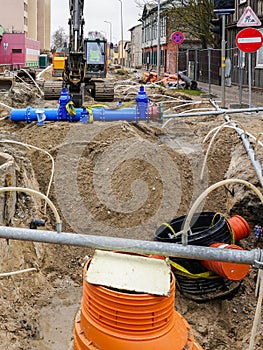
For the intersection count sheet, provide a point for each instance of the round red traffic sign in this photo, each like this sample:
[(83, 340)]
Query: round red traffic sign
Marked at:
[(249, 40), (177, 38)]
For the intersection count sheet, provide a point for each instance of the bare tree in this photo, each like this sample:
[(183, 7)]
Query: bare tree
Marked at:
[(193, 17), (59, 38)]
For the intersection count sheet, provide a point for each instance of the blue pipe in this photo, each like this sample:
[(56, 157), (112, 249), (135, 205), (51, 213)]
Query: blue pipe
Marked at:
[(67, 112)]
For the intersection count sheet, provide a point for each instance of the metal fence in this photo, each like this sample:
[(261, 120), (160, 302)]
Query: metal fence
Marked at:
[(204, 66)]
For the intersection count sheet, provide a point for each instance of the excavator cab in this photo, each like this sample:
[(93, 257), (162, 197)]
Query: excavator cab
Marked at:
[(95, 50), (96, 58), (85, 65)]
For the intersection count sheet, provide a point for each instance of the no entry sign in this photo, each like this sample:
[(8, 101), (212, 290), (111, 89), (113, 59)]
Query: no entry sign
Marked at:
[(249, 40), (177, 38)]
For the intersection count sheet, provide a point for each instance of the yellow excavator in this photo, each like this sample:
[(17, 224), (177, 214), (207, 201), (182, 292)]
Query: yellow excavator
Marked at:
[(85, 65)]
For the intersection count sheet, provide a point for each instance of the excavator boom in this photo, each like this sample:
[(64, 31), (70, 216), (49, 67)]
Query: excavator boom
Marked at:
[(85, 64)]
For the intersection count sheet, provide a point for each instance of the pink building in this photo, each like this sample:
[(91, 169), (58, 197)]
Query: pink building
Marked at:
[(31, 17), (18, 51)]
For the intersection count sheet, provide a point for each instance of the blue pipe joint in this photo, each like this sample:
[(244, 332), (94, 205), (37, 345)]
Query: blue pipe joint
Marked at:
[(64, 99), (84, 116), (142, 102)]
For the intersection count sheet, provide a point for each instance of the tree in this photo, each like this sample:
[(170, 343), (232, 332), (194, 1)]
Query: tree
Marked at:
[(193, 17), (59, 39)]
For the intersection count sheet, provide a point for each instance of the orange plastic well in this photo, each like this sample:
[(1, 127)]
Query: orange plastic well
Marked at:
[(231, 271), (239, 226), (119, 320)]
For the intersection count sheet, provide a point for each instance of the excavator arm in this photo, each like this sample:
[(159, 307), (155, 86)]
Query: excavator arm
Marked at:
[(75, 65), (76, 25), (85, 64)]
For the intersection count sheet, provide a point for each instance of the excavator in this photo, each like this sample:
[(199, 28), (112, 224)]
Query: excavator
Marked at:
[(85, 64)]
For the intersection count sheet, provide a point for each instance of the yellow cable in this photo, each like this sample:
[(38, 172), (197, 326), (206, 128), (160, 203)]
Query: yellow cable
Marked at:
[(71, 109), (170, 227), (90, 112), (184, 272), (229, 226)]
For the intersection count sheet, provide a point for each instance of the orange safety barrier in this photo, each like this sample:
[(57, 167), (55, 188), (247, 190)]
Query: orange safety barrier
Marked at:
[(230, 271), (239, 226), (120, 320)]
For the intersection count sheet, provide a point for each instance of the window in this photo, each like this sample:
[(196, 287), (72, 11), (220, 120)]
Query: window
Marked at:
[(259, 62), (16, 50)]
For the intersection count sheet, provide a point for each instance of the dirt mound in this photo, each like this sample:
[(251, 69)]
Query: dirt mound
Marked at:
[(115, 179)]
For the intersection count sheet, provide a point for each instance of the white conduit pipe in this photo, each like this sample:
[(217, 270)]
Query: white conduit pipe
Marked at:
[(41, 150), (231, 127), (194, 109), (43, 71), (30, 76), (218, 129), (7, 274), (4, 105), (217, 112), (42, 196), (26, 85), (249, 150), (203, 195), (256, 322), (225, 125)]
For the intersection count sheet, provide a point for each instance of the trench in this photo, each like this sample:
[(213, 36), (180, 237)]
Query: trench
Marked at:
[(56, 320)]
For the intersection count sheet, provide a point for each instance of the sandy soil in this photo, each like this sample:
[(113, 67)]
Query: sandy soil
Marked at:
[(122, 180)]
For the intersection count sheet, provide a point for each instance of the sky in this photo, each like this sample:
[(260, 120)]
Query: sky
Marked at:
[(95, 13)]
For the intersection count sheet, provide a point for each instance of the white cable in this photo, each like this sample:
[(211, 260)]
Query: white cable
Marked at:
[(4, 105), (39, 194), (7, 274), (204, 194), (218, 129), (41, 150), (30, 76)]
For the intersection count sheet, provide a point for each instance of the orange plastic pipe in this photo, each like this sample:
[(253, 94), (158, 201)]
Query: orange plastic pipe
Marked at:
[(119, 320), (230, 271)]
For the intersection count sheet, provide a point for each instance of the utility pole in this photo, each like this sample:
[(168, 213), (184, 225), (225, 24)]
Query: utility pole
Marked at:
[(223, 60), (122, 55), (110, 38), (158, 40)]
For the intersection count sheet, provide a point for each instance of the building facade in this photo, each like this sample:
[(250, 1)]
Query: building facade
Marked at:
[(150, 41), (17, 51), (31, 17), (201, 64), (135, 48)]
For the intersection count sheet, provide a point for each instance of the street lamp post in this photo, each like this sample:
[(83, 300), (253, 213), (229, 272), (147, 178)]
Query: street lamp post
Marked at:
[(5, 50), (122, 56), (158, 41), (110, 37)]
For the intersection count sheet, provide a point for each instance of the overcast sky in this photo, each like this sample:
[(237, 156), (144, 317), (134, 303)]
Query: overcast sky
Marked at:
[(95, 13)]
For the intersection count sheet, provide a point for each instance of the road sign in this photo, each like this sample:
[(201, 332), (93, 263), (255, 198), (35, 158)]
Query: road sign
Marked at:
[(177, 38), (249, 40), (249, 19)]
